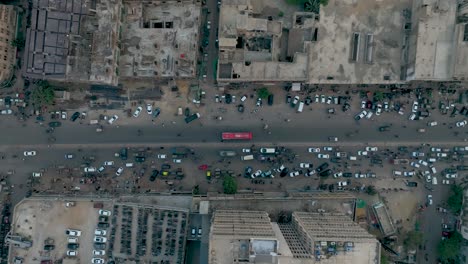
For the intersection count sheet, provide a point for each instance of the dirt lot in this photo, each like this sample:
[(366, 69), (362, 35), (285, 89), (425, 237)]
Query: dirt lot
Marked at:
[(41, 220)]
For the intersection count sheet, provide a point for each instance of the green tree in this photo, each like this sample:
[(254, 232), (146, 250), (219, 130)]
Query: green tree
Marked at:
[(196, 190), (378, 96), (383, 259), (18, 43), (371, 190), (449, 249), (263, 93), (281, 14), (455, 200), (43, 94), (229, 185), (413, 239)]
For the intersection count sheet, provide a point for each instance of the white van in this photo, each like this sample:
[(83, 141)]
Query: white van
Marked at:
[(352, 158), (247, 157), (129, 165), (369, 115), (434, 180), (300, 107)]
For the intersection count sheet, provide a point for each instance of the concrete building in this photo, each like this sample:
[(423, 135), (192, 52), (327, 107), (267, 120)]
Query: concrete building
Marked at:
[(159, 38), (251, 47), (74, 40), (8, 19), (250, 237), (439, 41)]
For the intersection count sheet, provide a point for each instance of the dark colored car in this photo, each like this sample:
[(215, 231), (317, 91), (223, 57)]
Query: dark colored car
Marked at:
[(165, 167), (49, 247), (73, 246), (325, 173), (270, 99), (288, 99), (412, 184), (322, 167), (228, 98), (187, 111), (75, 116), (156, 112), (347, 175), (99, 246), (308, 100), (284, 172), (384, 128), (55, 124), (376, 161), (154, 174), (103, 225), (248, 172), (240, 108), (139, 159), (124, 153)]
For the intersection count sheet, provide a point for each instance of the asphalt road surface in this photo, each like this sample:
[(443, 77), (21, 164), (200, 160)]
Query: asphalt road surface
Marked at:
[(316, 132)]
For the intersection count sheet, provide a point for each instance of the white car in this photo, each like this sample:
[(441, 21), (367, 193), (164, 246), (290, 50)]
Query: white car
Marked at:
[(371, 148), (310, 173), (429, 199), (100, 239), (323, 156), (361, 115), (304, 165), (412, 116), (436, 149), (431, 124), (105, 212), (30, 153), (257, 174), (6, 112), (97, 261), (379, 109), (162, 156), (113, 119), (428, 178), (363, 105), (72, 253), (409, 173), (329, 100), (441, 155), (296, 100), (362, 153), (415, 107), (177, 160), (342, 183), (445, 182), (417, 154), (414, 164), (293, 174), (424, 163), (99, 252), (109, 163), (100, 232), (63, 115), (119, 171), (369, 115), (461, 123), (451, 175), (137, 111), (37, 174), (149, 109), (73, 232), (327, 148), (73, 240), (68, 156), (338, 174), (90, 169), (246, 150), (314, 150)]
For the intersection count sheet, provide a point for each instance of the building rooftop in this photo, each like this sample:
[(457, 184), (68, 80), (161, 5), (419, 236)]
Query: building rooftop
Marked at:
[(159, 39), (73, 40), (355, 45)]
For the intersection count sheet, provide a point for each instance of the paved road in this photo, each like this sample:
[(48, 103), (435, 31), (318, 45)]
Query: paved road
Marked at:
[(316, 132)]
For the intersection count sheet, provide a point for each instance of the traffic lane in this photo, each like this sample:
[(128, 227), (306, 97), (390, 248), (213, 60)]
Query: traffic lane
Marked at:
[(197, 133)]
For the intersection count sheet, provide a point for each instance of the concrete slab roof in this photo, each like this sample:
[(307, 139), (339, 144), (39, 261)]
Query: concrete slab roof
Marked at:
[(159, 40), (330, 56)]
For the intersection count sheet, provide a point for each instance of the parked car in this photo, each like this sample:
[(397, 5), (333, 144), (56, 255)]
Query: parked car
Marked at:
[(73, 232), (75, 116), (113, 119), (119, 171), (137, 111), (149, 109), (314, 150), (100, 239), (30, 153), (323, 156)]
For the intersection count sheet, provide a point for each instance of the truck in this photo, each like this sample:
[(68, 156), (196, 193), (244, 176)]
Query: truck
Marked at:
[(192, 117)]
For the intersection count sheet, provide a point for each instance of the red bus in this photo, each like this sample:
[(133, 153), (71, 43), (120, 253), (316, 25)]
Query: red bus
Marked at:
[(237, 135)]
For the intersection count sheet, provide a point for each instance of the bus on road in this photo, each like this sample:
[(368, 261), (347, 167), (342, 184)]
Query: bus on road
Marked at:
[(236, 136)]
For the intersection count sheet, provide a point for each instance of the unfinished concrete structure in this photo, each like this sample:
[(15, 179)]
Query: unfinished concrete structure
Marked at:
[(251, 237), (250, 47), (8, 19), (73, 40), (159, 38), (438, 41)]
